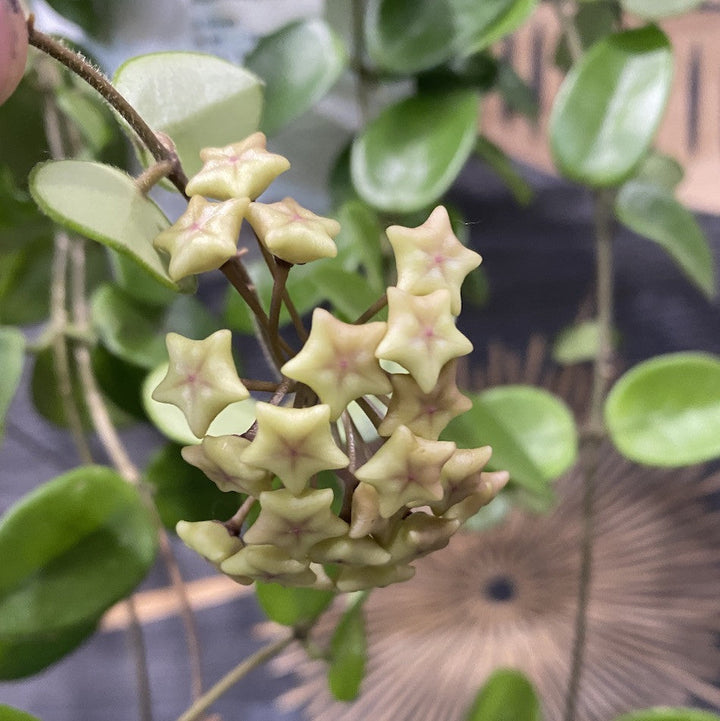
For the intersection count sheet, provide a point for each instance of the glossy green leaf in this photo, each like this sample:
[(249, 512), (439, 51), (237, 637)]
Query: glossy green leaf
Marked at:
[(409, 155), (198, 100), (12, 357), (531, 431), (349, 293), (405, 36), (359, 242), (292, 606), (593, 21), (104, 204), (119, 380), (608, 108), (655, 9), (506, 696), (651, 211), (8, 713), (503, 166), (20, 220), (136, 332), (577, 344), (299, 64), (97, 543), (480, 24), (170, 421), (183, 492), (348, 653), (137, 282), (517, 95), (666, 411)]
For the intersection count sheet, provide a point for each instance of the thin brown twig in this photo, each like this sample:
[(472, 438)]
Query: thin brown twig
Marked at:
[(374, 309)]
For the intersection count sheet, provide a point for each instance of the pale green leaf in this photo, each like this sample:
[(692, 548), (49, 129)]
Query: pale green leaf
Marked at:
[(348, 653), (12, 357), (506, 696), (666, 411), (655, 9), (292, 606)]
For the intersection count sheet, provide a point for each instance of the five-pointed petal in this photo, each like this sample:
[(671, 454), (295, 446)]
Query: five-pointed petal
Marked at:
[(204, 237), (295, 523), (201, 379), (406, 469), (421, 335), (431, 257), (338, 361), (243, 169), (268, 563), (292, 232), (294, 443), (425, 414)]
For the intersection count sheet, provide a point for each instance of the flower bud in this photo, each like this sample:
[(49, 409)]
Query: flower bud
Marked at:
[(13, 47)]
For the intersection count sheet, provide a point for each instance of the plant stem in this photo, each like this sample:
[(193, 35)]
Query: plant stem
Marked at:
[(234, 524), (142, 674), (373, 310), (280, 272), (93, 77), (234, 676), (358, 61), (152, 175), (595, 432), (565, 10)]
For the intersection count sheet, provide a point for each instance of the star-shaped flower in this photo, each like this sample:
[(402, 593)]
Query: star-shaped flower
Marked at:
[(268, 563), (356, 579), (460, 476), (349, 551), (218, 457), (243, 169), (209, 538), (406, 469), (294, 443), (295, 523), (201, 379), (420, 534), (204, 237), (338, 361), (421, 335), (431, 257), (425, 414), (365, 518), (292, 232), (489, 484)]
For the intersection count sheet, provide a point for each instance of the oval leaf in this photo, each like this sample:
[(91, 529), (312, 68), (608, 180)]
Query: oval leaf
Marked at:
[(666, 411), (198, 100), (299, 64), (348, 653), (292, 606), (104, 204), (651, 211), (669, 714), (183, 492), (610, 105), (507, 696), (8, 713), (412, 152), (577, 343), (531, 431), (404, 36), (12, 356), (97, 543), (655, 9)]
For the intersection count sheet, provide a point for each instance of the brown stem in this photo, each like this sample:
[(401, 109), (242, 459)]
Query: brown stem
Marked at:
[(369, 411), (281, 272), (151, 176), (235, 524), (375, 308), (93, 77)]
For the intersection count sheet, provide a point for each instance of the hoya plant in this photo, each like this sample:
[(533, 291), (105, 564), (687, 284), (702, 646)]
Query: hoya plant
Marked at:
[(355, 452)]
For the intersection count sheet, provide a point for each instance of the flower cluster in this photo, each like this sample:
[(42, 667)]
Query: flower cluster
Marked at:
[(402, 493)]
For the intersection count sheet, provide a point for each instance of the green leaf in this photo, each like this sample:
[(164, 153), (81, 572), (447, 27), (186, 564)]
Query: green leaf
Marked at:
[(651, 211), (170, 421), (516, 93), (20, 220), (299, 64), (350, 294), (480, 24), (92, 16), (669, 714), (183, 492), (348, 653), (359, 242), (88, 115), (97, 543), (198, 100), (119, 380), (12, 357), (593, 21), (655, 9), (292, 606), (408, 156), (609, 106), (405, 36), (577, 343), (662, 170), (136, 332), (503, 166), (104, 204), (506, 696), (666, 411), (8, 713), (137, 282), (531, 431)]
